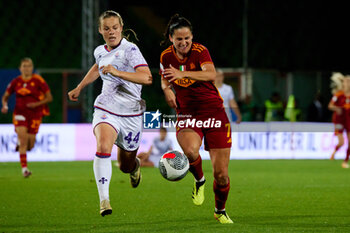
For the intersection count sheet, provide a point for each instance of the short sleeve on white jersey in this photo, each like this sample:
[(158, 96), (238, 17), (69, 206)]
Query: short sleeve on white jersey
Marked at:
[(134, 57), (126, 51)]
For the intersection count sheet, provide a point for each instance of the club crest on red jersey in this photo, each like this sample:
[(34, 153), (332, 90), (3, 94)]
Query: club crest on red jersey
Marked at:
[(184, 82)]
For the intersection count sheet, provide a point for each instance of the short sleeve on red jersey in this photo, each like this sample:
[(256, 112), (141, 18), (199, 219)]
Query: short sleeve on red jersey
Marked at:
[(205, 58), (42, 84), (11, 86)]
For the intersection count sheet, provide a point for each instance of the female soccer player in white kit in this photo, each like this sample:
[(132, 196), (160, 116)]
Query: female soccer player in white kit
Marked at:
[(119, 108)]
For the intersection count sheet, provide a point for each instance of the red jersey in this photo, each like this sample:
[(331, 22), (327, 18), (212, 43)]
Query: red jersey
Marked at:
[(192, 96), (339, 99), (28, 91)]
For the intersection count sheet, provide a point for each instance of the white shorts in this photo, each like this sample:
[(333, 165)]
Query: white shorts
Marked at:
[(128, 128)]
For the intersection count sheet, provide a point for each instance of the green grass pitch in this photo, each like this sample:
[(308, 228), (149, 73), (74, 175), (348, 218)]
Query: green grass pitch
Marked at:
[(265, 196)]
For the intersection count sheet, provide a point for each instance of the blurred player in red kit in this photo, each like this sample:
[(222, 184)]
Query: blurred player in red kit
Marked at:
[(340, 105), (32, 95), (188, 75)]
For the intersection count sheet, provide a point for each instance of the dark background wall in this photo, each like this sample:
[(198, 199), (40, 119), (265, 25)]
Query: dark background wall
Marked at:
[(285, 36)]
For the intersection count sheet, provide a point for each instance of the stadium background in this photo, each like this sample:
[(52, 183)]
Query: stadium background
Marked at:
[(290, 47), (302, 41)]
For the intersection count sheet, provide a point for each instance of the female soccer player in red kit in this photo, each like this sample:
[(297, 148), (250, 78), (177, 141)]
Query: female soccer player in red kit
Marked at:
[(188, 70), (32, 96), (340, 105)]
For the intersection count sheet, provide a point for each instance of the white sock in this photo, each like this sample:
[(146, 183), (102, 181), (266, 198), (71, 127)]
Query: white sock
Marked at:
[(216, 210), (24, 169), (201, 180), (103, 174)]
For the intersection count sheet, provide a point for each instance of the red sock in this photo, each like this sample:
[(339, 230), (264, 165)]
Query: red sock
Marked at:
[(196, 168), (221, 193), (347, 155), (103, 155), (23, 159)]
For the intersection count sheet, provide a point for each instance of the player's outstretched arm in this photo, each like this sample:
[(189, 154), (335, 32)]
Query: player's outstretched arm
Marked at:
[(4, 100), (334, 108), (170, 97), (141, 76), (234, 106), (90, 77)]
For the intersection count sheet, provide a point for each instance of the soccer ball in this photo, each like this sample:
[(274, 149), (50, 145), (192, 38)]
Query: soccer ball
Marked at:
[(173, 165)]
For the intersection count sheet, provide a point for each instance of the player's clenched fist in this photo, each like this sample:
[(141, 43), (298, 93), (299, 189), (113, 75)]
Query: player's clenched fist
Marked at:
[(4, 109), (74, 94), (109, 69)]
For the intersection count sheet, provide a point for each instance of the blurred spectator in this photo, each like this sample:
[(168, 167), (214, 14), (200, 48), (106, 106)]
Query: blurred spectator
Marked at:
[(248, 109), (317, 111), (160, 145), (274, 108), (226, 93), (292, 112)]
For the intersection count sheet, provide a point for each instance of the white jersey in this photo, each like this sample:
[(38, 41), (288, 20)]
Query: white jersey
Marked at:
[(120, 97), (159, 148), (226, 93)]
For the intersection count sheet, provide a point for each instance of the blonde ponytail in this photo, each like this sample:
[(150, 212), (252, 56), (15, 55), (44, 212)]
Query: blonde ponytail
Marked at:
[(337, 82)]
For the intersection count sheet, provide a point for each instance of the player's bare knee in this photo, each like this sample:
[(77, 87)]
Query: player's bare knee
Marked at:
[(104, 148), (30, 147), (221, 178), (191, 153), (23, 144)]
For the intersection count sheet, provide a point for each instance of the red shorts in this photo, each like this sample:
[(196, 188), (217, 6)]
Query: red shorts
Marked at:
[(215, 129), (31, 122), (339, 122), (340, 127)]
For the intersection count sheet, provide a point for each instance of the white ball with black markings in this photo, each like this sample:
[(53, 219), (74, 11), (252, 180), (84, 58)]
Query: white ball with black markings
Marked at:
[(173, 165)]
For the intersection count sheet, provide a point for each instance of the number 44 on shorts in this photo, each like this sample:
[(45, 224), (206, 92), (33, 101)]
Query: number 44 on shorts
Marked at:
[(129, 138)]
